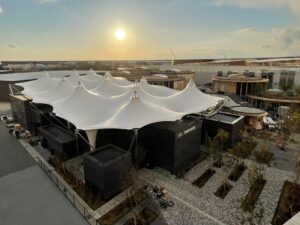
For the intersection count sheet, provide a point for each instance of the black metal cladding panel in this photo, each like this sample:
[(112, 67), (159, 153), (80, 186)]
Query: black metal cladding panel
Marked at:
[(173, 145), (40, 114), (187, 146), (117, 137), (60, 140), (58, 134), (109, 176), (21, 112), (4, 91), (162, 147), (211, 128), (236, 129), (189, 136), (106, 155), (93, 174)]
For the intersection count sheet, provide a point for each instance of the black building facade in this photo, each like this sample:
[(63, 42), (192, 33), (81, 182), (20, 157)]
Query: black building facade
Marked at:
[(106, 170), (61, 142), (231, 123), (172, 145), (21, 111)]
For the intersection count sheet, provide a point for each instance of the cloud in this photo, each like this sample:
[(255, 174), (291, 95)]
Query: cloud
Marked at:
[(14, 46), (286, 36), (1, 9), (45, 1), (246, 31), (293, 5), (266, 46)]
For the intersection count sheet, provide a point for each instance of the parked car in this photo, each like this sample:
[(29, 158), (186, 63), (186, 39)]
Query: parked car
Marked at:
[(269, 123)]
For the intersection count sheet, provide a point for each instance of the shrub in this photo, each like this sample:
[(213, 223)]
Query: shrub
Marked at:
[(263, 154)]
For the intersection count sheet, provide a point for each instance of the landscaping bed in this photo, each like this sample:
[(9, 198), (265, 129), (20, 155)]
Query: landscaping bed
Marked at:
[(237, 172), (223, 190), (248, 204), (263, 156), (288, 204), (243, 149), (122, 209), (93, 200), (202, 157), (204, 178), (218, 163), (144, 217)]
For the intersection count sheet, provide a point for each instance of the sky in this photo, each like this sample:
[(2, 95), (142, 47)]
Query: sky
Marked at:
[(84, 29)]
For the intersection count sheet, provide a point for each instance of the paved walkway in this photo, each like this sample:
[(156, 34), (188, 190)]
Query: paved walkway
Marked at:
[(27, 195), (13, 157)]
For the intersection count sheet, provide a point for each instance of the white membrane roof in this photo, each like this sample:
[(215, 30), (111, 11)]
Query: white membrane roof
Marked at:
[(112, 105), (115, 102), (87, 81)]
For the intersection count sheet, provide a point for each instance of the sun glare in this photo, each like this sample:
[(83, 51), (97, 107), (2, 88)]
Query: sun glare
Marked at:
[(120, 34)]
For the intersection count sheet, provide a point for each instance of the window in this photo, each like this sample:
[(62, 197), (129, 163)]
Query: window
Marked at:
[(287, 79)]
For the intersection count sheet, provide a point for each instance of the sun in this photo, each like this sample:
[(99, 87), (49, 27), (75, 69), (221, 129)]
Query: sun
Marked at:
[(120, 34)]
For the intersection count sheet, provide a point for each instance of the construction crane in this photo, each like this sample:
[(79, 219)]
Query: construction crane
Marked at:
[(174, 57)]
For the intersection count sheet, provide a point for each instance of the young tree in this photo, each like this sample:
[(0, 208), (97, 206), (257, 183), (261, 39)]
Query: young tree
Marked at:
[(291, 123), (133, 185), (218, 144), (263, 154)]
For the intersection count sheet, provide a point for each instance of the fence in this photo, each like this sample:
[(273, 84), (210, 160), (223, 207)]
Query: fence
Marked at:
[(72, 198)]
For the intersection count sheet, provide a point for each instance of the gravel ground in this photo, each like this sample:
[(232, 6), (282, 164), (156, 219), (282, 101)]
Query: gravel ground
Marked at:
[(225, 210)]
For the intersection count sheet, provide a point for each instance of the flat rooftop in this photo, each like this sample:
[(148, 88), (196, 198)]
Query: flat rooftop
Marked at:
[(108, 153), (248, 110), (224, 117)]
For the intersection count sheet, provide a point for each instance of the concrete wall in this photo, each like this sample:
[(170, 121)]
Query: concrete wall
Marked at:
[(204, 73)]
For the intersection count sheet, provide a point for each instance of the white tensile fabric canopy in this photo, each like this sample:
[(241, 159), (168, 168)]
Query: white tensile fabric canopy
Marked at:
[(157, 90), (108, 88), (88, 83), (51, 95), (189, 100), (92, 75), (121, 81), (45, 82), (122, 106)]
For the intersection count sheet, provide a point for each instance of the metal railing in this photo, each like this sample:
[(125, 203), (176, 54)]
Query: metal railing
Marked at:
[(70, 196)]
